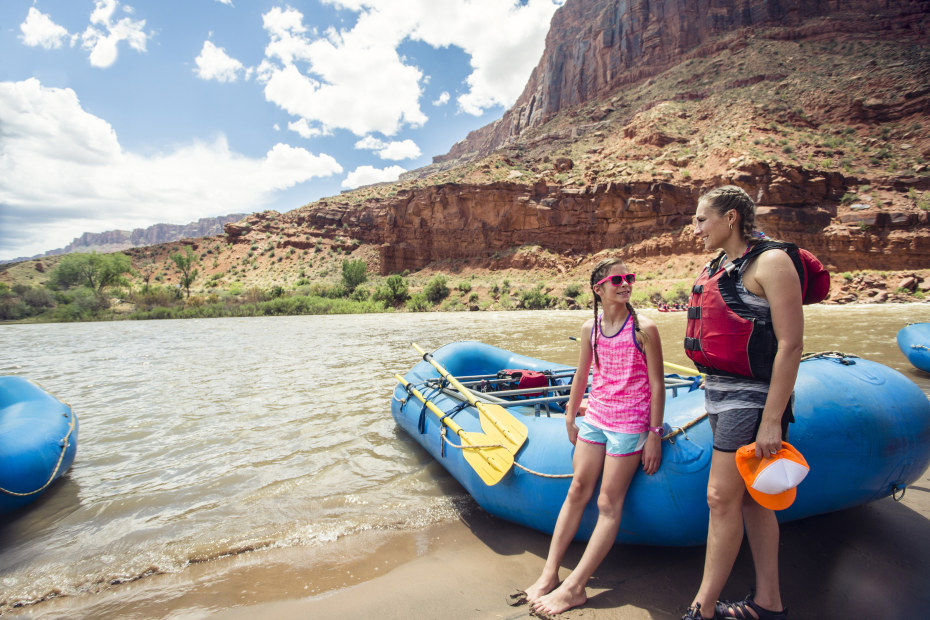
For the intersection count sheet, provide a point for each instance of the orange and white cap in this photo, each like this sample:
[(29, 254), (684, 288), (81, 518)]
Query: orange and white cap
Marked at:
[(772, 480)]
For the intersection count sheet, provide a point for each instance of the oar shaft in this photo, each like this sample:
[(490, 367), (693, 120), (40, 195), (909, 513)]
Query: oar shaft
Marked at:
[(429, 405), (445, 373), (517, 392), (682, 369), (511, 403)]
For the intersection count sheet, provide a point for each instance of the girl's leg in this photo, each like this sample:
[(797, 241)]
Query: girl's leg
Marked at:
[(586, 467), (725, 491), (618, 472)]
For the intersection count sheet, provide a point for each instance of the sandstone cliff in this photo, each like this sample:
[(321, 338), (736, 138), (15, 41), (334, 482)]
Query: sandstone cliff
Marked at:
[(597, 46)]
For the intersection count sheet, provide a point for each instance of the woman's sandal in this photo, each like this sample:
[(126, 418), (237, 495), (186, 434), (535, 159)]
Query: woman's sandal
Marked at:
[(740, 610), (694, 613)]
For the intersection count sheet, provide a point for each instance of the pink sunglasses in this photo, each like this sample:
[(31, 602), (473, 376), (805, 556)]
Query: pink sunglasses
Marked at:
[(630, 278)]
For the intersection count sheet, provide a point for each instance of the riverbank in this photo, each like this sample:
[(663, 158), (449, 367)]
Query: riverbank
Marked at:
[(539, 281), (870, 562)]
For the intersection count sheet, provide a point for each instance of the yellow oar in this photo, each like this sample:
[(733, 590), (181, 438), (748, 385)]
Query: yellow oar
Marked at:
[(496, 421), (490, 462), (682, 369)]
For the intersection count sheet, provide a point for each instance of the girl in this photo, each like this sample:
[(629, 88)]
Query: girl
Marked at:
[(742, 410), (621, 429)]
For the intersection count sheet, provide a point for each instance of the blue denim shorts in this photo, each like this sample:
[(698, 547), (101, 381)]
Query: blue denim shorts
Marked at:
[(617, 443)]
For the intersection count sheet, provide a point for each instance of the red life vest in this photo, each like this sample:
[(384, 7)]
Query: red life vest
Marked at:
[(722, 336)]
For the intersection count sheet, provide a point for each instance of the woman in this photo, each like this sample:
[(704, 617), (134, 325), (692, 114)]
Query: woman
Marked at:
[(744, 409)]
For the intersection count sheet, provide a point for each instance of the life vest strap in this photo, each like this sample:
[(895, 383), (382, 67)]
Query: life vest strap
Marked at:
[(694, 312), (692, 344)]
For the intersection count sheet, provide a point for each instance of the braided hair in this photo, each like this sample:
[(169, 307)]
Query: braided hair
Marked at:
[(722, 199), (600, 272)]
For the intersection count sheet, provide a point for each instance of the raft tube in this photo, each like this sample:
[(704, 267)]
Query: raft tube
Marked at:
[(864, 429), (38, 441), (914, 342)]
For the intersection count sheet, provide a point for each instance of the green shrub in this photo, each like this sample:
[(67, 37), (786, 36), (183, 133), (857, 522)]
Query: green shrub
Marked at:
[(418, 303), (572, 291), (535, 299), (354, 273), (437, 289), (394, 291)]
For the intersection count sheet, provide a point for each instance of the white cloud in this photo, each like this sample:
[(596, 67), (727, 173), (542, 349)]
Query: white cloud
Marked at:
[(443, 99), (305, 129), (226, 2), (103, 35), (214, 63), (366, 175), (348, 79), (504, 38), (63, 172), (40, 30), (395, 151)]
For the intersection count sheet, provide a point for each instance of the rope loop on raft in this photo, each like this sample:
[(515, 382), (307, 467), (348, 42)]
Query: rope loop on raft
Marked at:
[(837, 355), (446, 441), (61, 457), (894, 492)]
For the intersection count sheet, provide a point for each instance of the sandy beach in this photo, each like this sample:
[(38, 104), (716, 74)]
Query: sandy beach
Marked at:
[(871, 562)]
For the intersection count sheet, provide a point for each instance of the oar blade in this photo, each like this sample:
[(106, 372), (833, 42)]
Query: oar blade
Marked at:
[(497, 422), (490, 460), (491, 463)]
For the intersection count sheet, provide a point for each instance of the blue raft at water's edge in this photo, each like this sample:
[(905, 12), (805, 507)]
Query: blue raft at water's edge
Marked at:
[(38, 441), (864, 429), (914, 342)]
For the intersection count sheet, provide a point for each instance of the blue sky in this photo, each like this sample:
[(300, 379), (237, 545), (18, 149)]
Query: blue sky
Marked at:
[(122, 114)]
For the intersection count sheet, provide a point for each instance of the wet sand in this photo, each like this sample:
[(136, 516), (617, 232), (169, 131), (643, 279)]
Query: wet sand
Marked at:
[(870, 562)]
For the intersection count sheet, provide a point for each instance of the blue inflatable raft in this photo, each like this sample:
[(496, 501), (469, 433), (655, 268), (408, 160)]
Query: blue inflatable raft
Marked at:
[(863, 428), (914, 342), (38, 441)]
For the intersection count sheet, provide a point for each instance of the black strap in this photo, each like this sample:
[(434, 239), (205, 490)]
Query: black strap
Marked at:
[(692, 344), (694, 312)]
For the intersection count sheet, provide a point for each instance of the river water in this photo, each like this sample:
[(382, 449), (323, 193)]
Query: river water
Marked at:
[(200, 439)]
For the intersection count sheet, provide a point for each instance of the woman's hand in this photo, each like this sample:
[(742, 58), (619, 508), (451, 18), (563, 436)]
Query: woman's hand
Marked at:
[(768, 439), (652, 454)]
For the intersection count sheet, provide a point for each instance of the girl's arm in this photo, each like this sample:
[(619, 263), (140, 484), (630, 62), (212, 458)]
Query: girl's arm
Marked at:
[(652, 451), (776, 275), (579, 381)]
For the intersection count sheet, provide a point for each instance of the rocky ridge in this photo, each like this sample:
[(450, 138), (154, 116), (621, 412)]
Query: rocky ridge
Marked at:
[(118, 240)]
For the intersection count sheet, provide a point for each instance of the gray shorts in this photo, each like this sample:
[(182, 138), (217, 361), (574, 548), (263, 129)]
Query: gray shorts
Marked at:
[(738, 427)]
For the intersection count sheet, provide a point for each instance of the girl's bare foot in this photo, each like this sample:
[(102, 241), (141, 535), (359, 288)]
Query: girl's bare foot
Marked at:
[(544, 585), (561, 599)]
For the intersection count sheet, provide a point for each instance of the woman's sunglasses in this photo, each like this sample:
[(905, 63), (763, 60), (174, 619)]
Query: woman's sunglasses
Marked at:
[(617, 280)]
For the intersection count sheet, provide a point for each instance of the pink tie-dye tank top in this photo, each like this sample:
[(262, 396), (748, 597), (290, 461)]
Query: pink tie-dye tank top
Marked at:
[(620, 397)]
